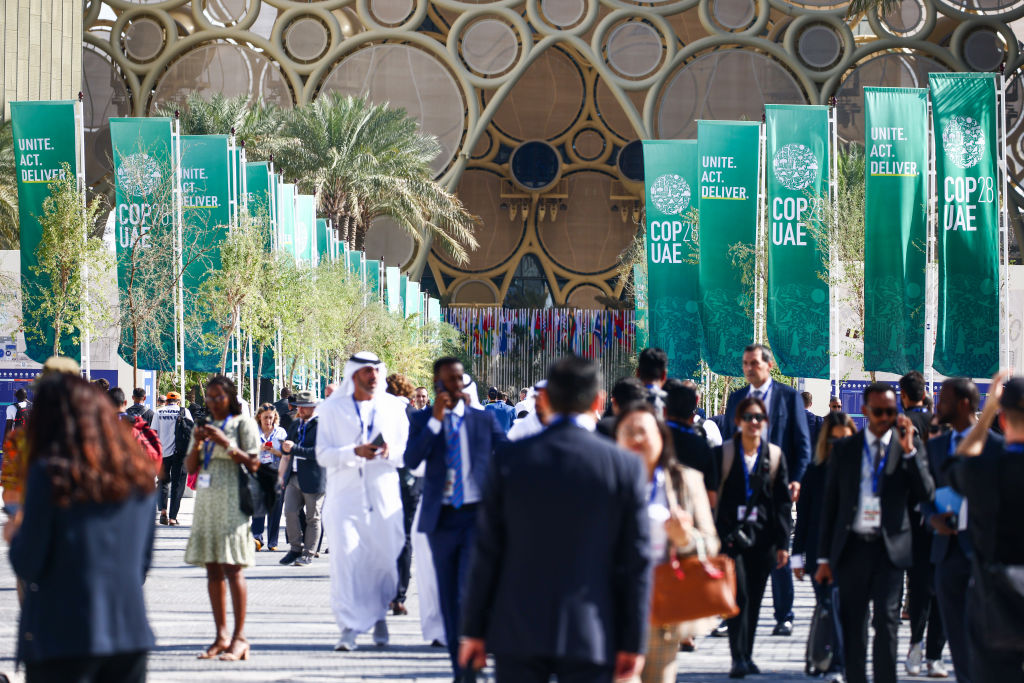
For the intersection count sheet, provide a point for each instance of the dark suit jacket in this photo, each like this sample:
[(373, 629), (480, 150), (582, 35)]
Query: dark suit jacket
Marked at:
[(787, 425), (284, 413), (808, 514), (775, 509), (312, 477), (560, 566), (692, 450), (938, 458), (484, 434), (814, 423), (83, 568), (901, 478)]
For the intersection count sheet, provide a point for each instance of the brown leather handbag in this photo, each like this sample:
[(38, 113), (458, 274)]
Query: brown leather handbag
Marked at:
[(692, 587)]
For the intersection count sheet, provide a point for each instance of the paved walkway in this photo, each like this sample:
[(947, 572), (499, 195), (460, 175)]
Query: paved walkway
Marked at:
[(293, 632)]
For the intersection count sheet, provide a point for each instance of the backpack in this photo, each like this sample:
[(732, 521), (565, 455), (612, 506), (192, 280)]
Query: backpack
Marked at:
[(21, 413), (147, 438), (182, 432)]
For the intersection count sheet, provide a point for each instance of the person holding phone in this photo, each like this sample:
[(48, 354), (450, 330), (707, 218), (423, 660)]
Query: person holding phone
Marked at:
[(362, 438)]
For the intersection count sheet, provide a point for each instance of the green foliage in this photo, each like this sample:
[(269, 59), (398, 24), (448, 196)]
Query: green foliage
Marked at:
[(9, 231), (256, 123), (72, 269)]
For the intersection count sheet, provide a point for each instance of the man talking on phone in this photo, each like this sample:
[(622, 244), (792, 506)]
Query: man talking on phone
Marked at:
[(456, 440), (362, 438)]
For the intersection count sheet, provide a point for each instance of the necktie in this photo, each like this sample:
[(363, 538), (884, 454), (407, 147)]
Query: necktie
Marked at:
[(756, 393), (956, 440), (454, 460), (878, 453)]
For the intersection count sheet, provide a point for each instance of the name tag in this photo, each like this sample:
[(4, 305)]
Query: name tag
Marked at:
[(203, 480), (741, 514), (961, 519), (449, 482), (870, 512), (266, 456)]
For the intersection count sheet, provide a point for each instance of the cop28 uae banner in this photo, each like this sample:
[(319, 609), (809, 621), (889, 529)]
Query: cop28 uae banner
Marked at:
[(206, 216), (305, 228), (286, 218), (673, 290), (728, 154), (966, 150), (144, 219), (47, 135), (798, 160), (895, 228)]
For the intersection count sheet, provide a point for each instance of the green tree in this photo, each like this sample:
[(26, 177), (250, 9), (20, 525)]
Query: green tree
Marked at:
[(366, 160), (256, 123), (8, 188), (72, 270)]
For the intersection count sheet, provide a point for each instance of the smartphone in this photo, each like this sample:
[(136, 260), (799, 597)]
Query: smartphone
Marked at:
[(378, 442)]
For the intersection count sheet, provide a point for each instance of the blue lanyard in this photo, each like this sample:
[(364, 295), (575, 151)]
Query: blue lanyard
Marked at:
[(681, 427), (364, 433), (302, 432), (655, 483), (208, 446), (746, 472), (917, 409), (1014, 448), (877, 472)]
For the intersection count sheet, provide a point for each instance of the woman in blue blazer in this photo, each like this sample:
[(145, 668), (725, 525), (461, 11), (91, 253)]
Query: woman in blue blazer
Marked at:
[(82, 543)]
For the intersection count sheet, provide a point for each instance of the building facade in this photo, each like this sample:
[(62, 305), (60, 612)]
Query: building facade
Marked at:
[(539, 105)]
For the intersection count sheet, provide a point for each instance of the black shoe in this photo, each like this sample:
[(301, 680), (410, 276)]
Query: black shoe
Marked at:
[(290, 557), (721, 631), (436, 643), (738, 670), (752, 668), (783, 628)]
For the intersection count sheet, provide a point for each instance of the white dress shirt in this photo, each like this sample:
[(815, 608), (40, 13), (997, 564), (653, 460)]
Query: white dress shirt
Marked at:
[(866, 475), (470, 491), (766, 395)]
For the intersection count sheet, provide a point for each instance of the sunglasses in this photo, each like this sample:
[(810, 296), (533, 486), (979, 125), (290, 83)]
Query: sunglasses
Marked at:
[(887, 412), (753, 417)]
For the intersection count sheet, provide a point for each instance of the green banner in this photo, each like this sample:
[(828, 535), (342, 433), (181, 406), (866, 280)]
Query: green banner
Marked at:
[(728, 154), (895, 227), (433, 310), (144, 228), (354, 261), (393, 276), (643, 336), (413, 300), (323, 241), (373, 278), (286, 218), (305, 227), (797, 156), (673, 288), (403, 296), (206, 215), (46, 136), (966, 184), (258, 185)]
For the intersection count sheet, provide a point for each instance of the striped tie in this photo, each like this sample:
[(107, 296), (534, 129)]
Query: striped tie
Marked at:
[(454, 460)]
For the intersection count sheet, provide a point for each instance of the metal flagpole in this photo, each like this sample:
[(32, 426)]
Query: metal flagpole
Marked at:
[(931, 272), (1006, 359), (80, 186), (179, 239), (833, 264), (759, 237)]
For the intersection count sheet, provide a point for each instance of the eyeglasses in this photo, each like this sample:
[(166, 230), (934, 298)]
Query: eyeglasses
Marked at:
[(887, 412), (753, 417)]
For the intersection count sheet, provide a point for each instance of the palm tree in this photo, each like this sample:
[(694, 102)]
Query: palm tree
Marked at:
[(8, 189), (254, 123), (365, 160)]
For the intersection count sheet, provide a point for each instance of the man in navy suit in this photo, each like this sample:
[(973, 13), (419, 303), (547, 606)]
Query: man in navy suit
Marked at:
[(560, 581), (787, 430), (814, 422), (456, 440)]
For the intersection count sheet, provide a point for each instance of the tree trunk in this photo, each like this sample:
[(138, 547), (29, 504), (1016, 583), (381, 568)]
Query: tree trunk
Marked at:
[(135, 357), (227, 344), (259, 373)]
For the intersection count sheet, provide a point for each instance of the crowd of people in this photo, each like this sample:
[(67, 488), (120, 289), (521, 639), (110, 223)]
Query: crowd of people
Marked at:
[(383, 478)]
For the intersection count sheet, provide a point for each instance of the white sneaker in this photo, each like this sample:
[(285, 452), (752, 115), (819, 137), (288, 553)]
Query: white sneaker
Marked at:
[(347, 642), (936, 669), (914, 657), (835, 678), (380, 633)]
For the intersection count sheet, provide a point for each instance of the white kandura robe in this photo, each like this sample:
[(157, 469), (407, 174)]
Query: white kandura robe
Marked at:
[(363, 507), (431, 620)]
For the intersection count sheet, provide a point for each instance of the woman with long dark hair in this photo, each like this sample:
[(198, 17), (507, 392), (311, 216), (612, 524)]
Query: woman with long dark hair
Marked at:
[(82, 543), (221, 539)]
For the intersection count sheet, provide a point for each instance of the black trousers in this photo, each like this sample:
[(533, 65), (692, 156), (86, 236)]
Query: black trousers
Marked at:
[(952, 575), (508, 669), (172, 483), (451, 545), (924, 608), (866, 576), (410, 489), (753, 567), (120, 668), (988, 665)]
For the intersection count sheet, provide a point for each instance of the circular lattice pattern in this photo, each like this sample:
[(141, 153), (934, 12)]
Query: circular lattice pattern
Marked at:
[(391, 12), (983, 50), (962, 141), (535, 165), (489, 47), (563, 13), (138, 175), (670, 193), (819, 47), (795, 166), (306, 39), (143, 39), (634, 49), (906, 18), (734, 15)]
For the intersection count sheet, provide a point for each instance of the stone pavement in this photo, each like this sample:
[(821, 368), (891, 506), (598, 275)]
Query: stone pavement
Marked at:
[(293, 632)]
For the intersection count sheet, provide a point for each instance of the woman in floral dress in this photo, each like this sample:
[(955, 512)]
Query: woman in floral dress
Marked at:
[(221, 539)]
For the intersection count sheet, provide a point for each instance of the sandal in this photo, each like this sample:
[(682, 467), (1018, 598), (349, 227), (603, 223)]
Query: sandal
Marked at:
[(232, 656), (218, 647)]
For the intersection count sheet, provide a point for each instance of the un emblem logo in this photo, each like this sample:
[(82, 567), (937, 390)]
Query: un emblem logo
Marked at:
[(670, 193), (962, 141), (795, 167), (138, 175)]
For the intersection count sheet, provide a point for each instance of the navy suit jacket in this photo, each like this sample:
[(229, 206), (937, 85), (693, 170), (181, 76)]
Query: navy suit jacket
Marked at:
[(938, 454), (483, 434), (787, 425), (561, 563), (506, 413), (83, 568), (312, 477)]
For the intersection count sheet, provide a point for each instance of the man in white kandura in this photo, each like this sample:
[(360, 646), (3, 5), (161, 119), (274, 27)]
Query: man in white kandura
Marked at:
[(362, 438)]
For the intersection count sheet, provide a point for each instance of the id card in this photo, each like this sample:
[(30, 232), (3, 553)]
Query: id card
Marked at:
[(741, 514), (203, 480), (449, 482), (870, 512), (266, 456)]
